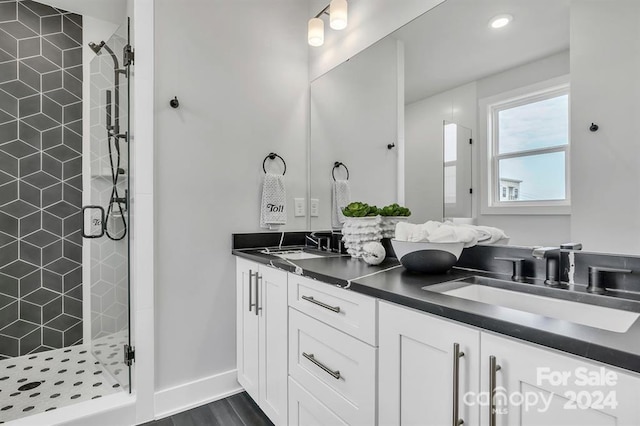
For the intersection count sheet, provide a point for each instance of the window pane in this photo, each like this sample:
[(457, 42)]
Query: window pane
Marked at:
[(450, 142), (532, 178), (450, 184), (541, 124)]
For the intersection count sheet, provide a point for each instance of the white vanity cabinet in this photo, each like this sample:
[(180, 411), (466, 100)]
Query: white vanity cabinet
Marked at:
[(420, 382), (261, 341), (427, 364), (332, 355), (538, 386)]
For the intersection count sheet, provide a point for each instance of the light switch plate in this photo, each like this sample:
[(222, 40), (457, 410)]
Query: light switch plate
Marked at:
[(299, 207), (315, 207)]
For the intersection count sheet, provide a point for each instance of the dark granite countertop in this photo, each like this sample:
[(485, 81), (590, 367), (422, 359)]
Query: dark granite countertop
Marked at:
[(391, 282)]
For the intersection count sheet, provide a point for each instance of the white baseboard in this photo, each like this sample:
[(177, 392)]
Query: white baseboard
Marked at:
[(193, 394)]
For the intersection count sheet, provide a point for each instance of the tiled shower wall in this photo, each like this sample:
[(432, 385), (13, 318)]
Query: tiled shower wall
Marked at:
[(40, 178)]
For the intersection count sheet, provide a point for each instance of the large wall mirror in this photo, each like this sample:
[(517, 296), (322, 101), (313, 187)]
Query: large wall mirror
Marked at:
[(524, 94)]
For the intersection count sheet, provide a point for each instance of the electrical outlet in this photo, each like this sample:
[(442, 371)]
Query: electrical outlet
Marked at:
[(299, 207), (315, 207)]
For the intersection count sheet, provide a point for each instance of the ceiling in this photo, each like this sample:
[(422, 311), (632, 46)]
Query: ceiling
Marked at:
[(452, 44)]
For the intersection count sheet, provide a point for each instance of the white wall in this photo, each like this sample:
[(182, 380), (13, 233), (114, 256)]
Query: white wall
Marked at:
[(605, 89), (240, 72), (369, 21), (424, 147), (353, 118)]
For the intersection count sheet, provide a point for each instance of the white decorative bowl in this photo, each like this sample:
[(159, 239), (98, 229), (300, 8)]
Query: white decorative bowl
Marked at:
[(428, 258)]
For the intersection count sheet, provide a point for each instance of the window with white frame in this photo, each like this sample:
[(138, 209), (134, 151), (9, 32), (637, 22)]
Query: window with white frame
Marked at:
[(528, 143)]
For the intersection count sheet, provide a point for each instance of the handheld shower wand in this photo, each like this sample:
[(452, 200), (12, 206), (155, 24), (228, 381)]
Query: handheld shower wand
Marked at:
[(113, 141)]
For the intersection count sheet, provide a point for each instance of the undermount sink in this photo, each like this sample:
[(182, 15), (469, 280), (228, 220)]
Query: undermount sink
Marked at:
[(575, 307), (296, 254)]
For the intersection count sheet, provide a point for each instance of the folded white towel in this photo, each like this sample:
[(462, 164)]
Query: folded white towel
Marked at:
[(415, 233), (495, 234), (273, 210), (448, 232), (340, 198), (454, 234)]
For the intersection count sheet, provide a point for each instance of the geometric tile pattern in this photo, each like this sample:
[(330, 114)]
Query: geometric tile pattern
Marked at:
[(40, 178), (46, 381)]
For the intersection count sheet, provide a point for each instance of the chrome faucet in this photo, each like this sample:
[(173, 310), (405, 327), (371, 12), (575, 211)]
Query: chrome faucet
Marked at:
[(552, 254), (596, 278), (321, 242)]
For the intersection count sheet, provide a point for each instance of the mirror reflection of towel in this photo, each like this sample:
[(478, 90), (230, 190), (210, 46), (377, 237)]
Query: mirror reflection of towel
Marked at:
[(273, 209), (340, 198)]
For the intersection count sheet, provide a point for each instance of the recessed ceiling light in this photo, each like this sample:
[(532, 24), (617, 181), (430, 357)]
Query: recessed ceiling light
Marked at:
[(500, 21)]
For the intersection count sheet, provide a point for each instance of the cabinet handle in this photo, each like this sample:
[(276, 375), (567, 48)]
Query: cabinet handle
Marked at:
[(493, 368), (324, 305), (258, 308), (457, 421), (251, 305), (310, 357)]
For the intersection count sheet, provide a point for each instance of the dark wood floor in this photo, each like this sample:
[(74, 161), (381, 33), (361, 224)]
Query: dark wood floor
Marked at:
[(237, 410)]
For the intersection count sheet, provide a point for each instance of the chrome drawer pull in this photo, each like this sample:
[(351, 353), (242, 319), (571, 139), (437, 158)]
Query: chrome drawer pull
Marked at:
[(493, 368), (257, 305), (310, 357), (324, 305), (457, 354), (251, 275)]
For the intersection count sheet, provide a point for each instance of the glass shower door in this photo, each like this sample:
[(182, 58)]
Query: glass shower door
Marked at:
[(106, 217)]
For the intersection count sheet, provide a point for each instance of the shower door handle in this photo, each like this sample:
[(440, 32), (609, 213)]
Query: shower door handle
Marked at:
[(95, 222)]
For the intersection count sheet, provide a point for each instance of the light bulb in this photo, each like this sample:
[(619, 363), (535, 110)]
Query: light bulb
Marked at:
[(338, 14), (315, 34), (500, 21)]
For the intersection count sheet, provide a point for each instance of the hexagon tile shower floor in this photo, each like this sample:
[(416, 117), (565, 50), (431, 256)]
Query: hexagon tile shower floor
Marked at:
[(49, 380)]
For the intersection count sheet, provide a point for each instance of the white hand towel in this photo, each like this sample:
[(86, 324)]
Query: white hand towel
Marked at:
[(340, 198), (497, 234), (273, 210)]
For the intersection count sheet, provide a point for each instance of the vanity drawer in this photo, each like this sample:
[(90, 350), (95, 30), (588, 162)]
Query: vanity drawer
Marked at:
[(350, 312), (337, 369), (305, 410)]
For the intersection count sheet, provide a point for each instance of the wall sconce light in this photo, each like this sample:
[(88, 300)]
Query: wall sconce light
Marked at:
[(337, 11), (338, 14), (316, 32)]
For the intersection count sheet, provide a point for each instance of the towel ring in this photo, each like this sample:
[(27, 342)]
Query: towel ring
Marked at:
[(272, 156), (336, 165)]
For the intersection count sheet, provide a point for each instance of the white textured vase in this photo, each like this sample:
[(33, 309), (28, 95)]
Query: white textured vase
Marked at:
[(357, 231), (388, 225)]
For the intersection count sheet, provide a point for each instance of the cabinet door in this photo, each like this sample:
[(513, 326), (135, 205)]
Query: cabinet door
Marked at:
[(247, 326), (542, 387), (416, 368), (272, 311)]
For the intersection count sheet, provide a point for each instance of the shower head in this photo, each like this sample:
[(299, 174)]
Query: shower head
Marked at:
[(96, 47)]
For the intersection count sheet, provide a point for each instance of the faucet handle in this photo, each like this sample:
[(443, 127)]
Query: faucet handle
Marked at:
[(544, 252), (596, 277), (518, 266), (571, 246)]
